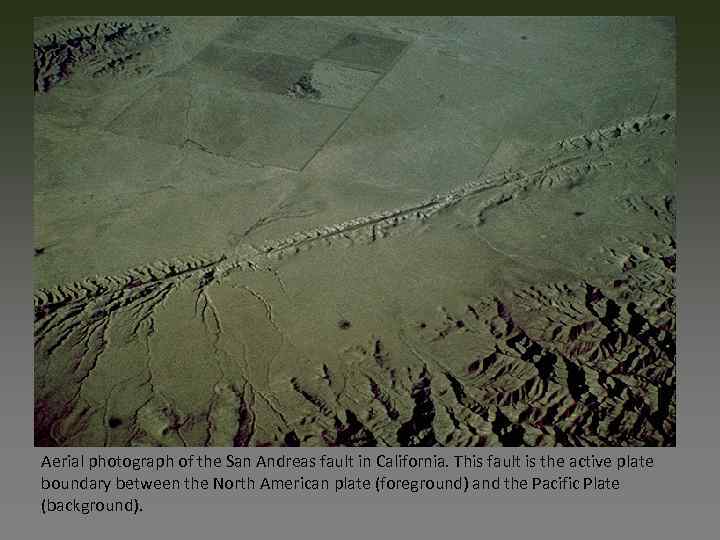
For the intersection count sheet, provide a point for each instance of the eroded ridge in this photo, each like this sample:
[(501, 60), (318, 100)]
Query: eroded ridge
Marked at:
[(104, 48), (564, 364), (562, 164)]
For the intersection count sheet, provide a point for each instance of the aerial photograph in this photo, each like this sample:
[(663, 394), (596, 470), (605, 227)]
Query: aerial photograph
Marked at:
[(354, 231)]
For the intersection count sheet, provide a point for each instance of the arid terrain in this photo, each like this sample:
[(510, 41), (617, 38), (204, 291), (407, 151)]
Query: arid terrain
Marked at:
[(353, 231)]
